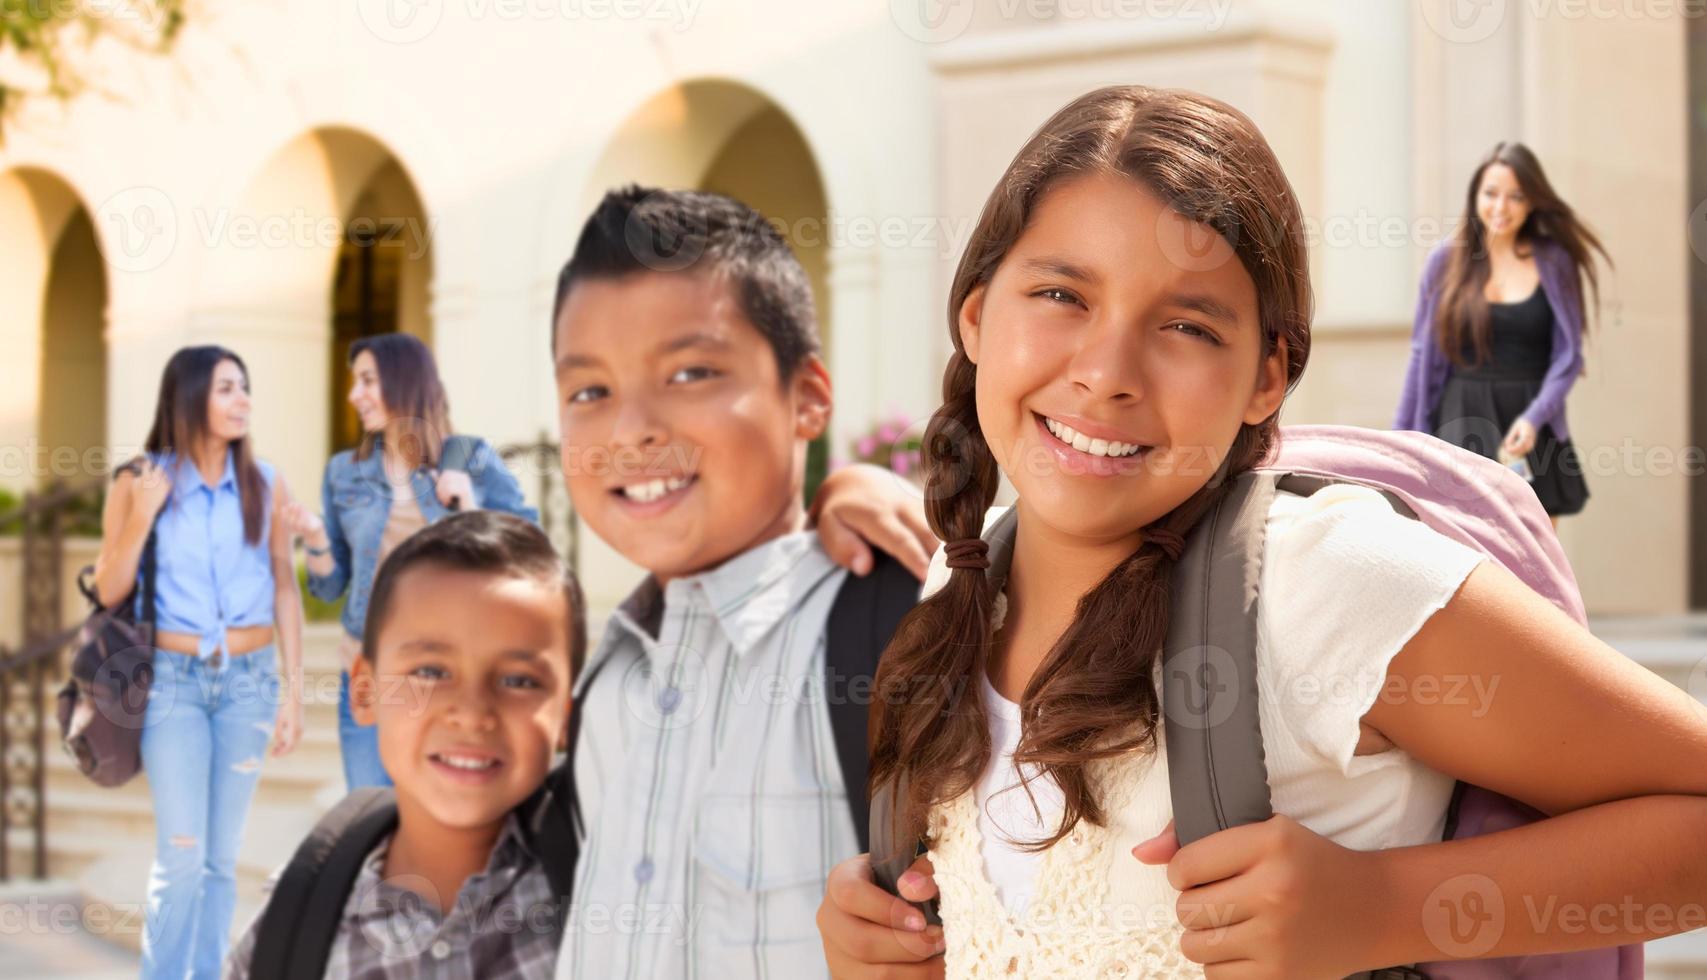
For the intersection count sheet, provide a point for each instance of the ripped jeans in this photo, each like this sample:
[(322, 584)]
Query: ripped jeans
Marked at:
[(203, 742)]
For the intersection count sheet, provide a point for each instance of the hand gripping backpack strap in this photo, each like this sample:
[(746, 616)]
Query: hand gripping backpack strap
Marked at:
[(866, 612), (307, 904), (1212, 729), (457, 453), (1217, 773)]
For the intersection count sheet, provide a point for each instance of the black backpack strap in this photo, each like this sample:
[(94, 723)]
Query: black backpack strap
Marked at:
[(861, 622), (552, 816), (307, 904), (457, 453)]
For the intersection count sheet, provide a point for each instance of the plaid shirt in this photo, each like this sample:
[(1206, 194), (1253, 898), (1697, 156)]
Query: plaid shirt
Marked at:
[(504, 924)]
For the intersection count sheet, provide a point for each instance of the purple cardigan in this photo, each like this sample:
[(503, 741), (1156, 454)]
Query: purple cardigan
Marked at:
[(1426, 376)]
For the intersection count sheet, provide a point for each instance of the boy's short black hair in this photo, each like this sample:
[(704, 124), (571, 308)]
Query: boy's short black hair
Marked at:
[(480, 541), (645, 229)]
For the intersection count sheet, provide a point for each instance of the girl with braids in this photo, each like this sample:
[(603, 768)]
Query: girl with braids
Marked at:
[(1497, 342), (1127, 319)]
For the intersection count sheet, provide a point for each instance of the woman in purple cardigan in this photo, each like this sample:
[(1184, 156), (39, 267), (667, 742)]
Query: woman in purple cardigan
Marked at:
[(1500, 320)]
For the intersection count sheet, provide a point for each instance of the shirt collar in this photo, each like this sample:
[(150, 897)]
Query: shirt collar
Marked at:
[(186, 479), (375, 898), (749, 595)]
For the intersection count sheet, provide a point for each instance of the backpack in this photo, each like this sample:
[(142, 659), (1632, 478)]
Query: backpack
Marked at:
[(302, 916), (1217, 775), (103, 706)]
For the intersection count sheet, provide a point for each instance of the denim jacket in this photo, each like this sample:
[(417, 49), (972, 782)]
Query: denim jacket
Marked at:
[(355, 500)]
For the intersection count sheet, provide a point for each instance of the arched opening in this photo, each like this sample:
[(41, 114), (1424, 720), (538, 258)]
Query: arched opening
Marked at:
[(330, 242), (377, 287), (53, 307)]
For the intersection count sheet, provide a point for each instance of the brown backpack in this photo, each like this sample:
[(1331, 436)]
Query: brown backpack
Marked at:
[(104, 704)]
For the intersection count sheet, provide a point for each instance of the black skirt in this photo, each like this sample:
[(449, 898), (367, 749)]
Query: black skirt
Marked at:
[(1479, 404)]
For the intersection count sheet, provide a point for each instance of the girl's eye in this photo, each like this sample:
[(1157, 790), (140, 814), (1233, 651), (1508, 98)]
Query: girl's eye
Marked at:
[(589, 393), (522, 682), (429, 672), (1056, 294), (696, 373), (1193, 330)]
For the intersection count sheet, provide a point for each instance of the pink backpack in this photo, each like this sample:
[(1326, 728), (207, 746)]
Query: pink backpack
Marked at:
[(1215, 755)]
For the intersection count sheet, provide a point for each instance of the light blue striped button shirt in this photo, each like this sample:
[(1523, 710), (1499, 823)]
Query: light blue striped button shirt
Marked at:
[(707, 772)]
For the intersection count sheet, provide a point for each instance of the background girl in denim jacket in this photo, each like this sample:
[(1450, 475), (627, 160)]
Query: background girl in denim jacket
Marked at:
[(376, 495)]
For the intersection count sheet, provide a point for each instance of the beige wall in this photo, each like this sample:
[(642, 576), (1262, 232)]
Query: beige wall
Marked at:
[(1377, 110)]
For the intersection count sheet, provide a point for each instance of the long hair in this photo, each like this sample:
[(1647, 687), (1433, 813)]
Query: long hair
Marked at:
[(180, 425), (1093, 697), (417, 408), (1463, 308)]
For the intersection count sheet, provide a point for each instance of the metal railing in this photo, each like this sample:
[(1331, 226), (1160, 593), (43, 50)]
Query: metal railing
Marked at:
[(26, 672), (539, 460)]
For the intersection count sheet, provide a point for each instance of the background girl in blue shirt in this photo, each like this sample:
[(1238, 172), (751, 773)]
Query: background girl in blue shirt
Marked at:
[(227, 604)]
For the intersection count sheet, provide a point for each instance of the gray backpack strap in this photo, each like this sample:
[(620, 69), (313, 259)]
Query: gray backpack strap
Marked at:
[(1216, 771), (1217, 774), (890, 857)]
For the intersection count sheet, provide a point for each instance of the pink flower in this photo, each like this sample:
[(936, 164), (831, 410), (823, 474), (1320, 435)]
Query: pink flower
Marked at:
[(866, 446), (888, 433), (900, 464)]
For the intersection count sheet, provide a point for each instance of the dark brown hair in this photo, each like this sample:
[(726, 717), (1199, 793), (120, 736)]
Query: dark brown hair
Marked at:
[(416, 406), (637, 229), (479, 541), (1093, 697), (180, 424), (1463, 307)]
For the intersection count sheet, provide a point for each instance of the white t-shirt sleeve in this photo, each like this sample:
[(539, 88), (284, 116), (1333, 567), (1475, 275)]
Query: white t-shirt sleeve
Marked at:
[(1346, 582)]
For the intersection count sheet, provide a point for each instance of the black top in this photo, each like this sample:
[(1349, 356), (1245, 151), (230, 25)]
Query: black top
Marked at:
[(1520, 341)]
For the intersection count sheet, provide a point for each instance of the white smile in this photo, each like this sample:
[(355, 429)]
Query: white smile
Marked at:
[(1085, 444), (472, 763), (645, 493)]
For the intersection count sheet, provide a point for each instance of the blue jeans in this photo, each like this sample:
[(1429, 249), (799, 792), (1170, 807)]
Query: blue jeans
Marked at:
[(204, 738), (360, 744)]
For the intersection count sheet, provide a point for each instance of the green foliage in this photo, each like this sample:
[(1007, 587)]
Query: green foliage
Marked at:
[(41, 34), (314, 610)]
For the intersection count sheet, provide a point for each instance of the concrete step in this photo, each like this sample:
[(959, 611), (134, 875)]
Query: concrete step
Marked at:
[(294, 778)]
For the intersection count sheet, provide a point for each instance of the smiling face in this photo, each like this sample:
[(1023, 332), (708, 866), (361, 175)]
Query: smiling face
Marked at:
[(1118, 352), (682, 445), (469, 686), (228, 402), (1500, 202), (365, 394)]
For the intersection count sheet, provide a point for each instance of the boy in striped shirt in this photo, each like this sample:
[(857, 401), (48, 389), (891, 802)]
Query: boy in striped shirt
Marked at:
[(689, 385)]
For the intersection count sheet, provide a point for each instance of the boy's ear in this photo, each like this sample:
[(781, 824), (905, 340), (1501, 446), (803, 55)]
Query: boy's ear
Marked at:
[(971, 321), (364, 686), (812, 399), (1271, 385)]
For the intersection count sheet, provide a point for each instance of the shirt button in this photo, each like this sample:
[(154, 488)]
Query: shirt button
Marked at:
[(440, 950), (669, 699), (643, 871)]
